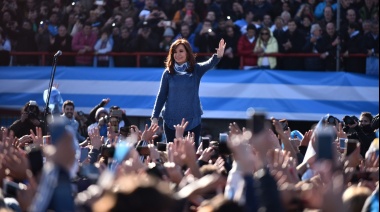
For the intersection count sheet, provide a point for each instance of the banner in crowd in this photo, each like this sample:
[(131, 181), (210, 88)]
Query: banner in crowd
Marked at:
[(224, 93)]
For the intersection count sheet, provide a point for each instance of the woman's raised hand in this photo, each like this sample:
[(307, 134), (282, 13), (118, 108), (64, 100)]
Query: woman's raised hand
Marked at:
[(220, 49)]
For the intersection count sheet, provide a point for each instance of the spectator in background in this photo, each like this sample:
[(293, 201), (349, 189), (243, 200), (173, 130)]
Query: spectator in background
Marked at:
[(230, 59), (129, 25), (185, 32), (371, 40), (319, 9), (345, 5), (327, 46), (124, 44), (32, 17), (83, 42), (5, 48), (62, 42), (292, 42), (126, 9), (328, 16), (368, 10), (248, 18), (26, 43), (144, 13), (266, 44), (281, 22), (261, 8), (354, 45), (237, 11), (351, 18), (187, 15), (171, 6), (313, 63), (267, 21), (103, 46), (304, 26), (211, 17), (44, 11), (167, 40), (53, 24), (146, 41), (305, 10), (366, 26), (246, 45), (206, 40), (43, 38), (203, 7)]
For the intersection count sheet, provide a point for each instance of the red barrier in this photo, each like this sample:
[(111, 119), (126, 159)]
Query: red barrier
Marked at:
[(162, 54)]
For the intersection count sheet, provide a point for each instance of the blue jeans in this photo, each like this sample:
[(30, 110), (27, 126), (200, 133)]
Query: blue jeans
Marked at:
[(170, 134)]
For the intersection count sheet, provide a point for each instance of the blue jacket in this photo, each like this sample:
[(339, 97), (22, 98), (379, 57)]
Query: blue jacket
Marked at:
[(180, 95)]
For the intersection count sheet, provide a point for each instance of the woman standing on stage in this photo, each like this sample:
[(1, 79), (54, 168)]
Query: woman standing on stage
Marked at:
[(179, 89)]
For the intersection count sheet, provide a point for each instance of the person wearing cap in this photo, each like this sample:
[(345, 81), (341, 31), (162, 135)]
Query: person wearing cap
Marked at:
[(167, 40), (100, 113), (178, 95)]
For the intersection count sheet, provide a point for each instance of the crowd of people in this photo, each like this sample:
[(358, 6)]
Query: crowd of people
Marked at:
[(119, 166), (251, 29)]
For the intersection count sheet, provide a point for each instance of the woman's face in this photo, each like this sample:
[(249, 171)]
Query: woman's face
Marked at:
[(180, 54), (265, 35)]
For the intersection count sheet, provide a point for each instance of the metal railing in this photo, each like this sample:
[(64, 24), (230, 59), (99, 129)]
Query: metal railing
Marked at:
[(138, 55)]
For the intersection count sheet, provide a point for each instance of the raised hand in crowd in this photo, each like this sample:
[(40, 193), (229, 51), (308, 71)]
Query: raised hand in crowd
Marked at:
[(149, 133), (180, 129)]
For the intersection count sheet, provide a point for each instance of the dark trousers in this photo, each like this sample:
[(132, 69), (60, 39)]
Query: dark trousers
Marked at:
[(170, 134)]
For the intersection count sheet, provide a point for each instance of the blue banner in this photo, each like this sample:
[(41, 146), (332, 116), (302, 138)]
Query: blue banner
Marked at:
[(224, 93)]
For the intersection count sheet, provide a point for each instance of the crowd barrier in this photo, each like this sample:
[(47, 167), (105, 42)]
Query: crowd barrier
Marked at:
[(225, 94), (45, 55)]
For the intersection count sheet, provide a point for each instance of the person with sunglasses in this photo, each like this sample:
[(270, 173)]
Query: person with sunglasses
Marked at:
[(266, 44)]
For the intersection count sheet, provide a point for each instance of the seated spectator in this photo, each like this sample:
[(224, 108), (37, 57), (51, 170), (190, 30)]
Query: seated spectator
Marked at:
[(83, 42), (351, 18), (245, 48), (304, 26), (281, 22), (53, 24), (103, 46), (261, 8), (203, 7), (266, 44)]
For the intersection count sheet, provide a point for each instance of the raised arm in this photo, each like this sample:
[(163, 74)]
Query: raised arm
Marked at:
[(209, 64)]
